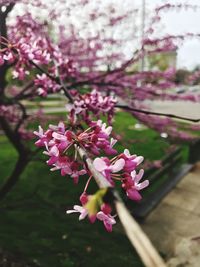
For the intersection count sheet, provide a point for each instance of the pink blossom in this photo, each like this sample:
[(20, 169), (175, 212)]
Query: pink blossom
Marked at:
[(20, 73), (9, 56), (94, 103), (107, 219), (44, 137), (79, 209), (131, 161), (67, 166), (45, 84), (53, 152), (132, 186), (97, 138), (104, 166)]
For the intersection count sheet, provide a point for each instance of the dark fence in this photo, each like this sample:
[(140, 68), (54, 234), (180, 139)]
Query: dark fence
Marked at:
[(164, 179)]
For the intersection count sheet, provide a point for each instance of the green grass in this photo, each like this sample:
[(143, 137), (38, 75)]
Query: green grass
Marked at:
[(145, 142)]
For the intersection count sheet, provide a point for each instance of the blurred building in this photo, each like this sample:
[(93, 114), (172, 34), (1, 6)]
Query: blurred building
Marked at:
[(162, 61)]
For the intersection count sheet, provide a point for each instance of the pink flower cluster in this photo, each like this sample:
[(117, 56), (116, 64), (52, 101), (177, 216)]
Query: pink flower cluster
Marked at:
[(123, 168), (7, 56), (103, 215), (58, 141), (61, 147), (10, 112), (94, 103), (45, 85)]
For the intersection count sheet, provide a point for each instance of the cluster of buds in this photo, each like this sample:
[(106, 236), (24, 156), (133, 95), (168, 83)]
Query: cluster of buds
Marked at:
[(45, 85), (123, 168), (21, 53), (7, 56), (94, 103), (10, 112), (62, 144), (94, 208), (30, 51)]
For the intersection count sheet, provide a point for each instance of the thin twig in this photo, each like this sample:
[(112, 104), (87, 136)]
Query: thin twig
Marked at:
[(44, 71), (148, 112), (26, 88), (24, 116), (99, 178), (55, 79), (65, 89)]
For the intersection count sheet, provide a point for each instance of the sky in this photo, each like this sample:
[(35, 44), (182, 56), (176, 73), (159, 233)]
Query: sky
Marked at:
[(181, 22)]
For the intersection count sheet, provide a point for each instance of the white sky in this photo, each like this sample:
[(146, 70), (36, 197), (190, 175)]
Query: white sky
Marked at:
[(181, 22)]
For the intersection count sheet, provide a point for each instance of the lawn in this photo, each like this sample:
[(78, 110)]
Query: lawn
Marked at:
[(33, 221)]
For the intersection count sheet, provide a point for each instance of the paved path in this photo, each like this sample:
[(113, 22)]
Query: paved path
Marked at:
[(174, 226)]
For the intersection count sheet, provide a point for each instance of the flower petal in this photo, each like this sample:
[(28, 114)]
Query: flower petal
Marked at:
[(54, 151), (83, 214), (127, 153), (99, 164), (101, 216), (118, 165), (139, 176), (134, 194), (59, 136), (139, 160), (142, 185)]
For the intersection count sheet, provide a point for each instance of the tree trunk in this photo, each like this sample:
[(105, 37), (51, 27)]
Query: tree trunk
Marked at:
[(15, 175)]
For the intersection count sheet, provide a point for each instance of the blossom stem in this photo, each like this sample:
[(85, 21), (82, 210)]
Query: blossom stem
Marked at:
[(87, 184), (99, 178)]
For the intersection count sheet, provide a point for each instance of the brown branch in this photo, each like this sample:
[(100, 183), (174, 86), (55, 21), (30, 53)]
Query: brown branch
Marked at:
[(65, 89), (3, 33), (14, 177), (101, 181), (25, 89), (148, 112), (14, 137), (24, 116), (44, 71), (137, 237), (55, 79), (105, 74)]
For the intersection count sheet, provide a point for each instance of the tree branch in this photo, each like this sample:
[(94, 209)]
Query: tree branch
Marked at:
[(26, 88), (24, 116), (101, 181), (14, 177), (13, 136), (55, 79), (148, 112)]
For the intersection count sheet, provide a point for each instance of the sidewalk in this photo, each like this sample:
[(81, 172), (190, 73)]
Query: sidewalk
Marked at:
[(174, 226)]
